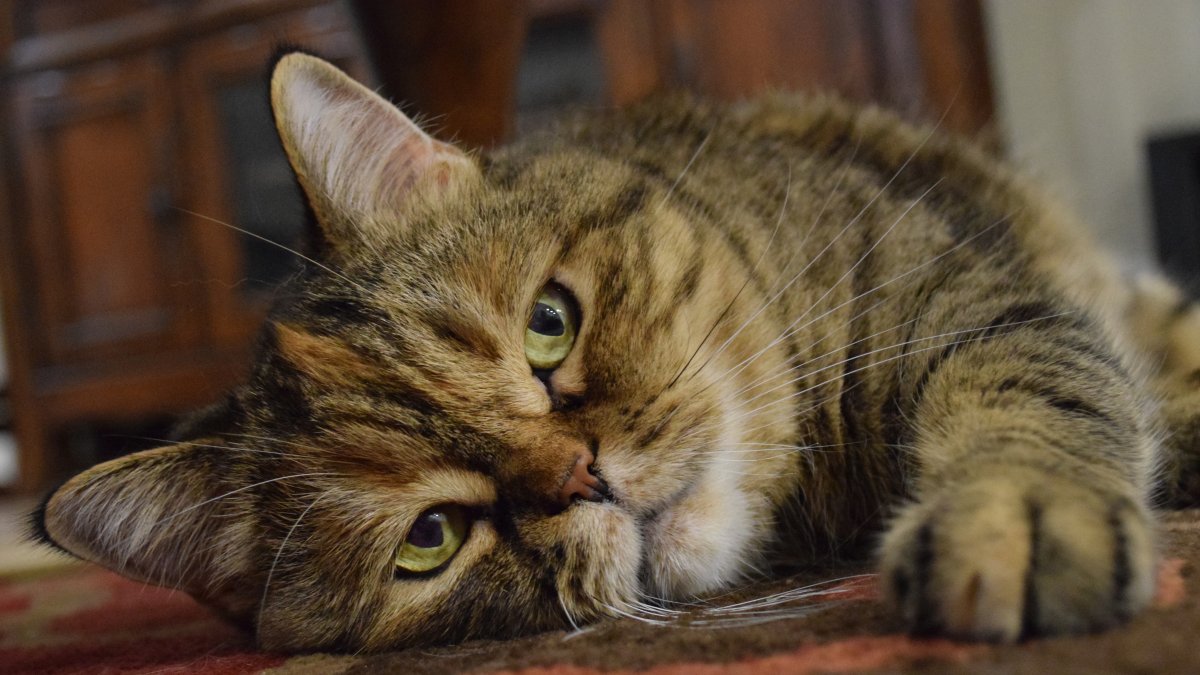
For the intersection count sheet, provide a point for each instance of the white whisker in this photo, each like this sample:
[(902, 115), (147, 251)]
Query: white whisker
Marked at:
[(771, 376), (892, 358), (707, 614), (720, 319), (236, 448), (241, 489), (272, 242), (570, 619), (262, 603), (793, 330), (629, 615), (687, 167), (830, 244), (788, 331)]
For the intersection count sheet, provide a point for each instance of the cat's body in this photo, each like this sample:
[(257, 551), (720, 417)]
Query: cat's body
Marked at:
[(785, 319)]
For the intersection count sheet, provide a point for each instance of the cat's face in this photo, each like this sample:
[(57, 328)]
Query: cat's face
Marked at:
[(489, 409)]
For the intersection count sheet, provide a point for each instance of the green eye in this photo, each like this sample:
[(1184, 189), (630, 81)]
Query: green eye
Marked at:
[(551, 330), (434, 538)]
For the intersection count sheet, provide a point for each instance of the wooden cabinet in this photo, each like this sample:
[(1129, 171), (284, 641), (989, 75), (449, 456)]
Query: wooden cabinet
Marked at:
[(91, 143), (926, 58), (456, 60), (140, 147)]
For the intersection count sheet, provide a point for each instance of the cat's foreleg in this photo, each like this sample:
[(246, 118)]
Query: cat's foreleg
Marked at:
[(1030, 511)]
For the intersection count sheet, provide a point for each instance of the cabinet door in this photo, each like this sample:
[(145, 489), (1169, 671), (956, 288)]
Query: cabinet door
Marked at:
[(238, 181), (106, 255), (925, 58)]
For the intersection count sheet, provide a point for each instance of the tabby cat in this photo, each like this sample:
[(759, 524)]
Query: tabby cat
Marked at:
[(648, 357)]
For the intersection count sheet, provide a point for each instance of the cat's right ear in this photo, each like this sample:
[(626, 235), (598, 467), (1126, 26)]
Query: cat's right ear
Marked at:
[(361, 162)]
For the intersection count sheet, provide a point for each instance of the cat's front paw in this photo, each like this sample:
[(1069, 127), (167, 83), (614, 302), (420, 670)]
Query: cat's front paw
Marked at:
[(1019, 554)]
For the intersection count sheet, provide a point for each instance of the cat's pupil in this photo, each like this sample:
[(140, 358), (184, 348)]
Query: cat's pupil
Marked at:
[(427, 531), (547, 321)]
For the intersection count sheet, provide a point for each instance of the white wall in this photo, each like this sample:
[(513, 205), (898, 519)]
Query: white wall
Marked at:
[(1080, 85)]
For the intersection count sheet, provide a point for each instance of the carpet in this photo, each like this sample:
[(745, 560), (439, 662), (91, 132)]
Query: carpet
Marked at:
[(80, 619)]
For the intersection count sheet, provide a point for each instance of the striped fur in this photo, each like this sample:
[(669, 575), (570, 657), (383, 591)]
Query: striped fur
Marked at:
[(803, 324)]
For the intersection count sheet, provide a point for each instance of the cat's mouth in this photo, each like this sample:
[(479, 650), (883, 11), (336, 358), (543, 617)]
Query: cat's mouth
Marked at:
[(649, 518), (648, 526), (688, 515)]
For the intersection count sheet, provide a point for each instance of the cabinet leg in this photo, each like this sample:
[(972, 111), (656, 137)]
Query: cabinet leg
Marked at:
[(36, 455)]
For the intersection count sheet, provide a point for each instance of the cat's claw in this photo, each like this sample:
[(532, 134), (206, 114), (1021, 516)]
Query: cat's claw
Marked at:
[(1005, 558)]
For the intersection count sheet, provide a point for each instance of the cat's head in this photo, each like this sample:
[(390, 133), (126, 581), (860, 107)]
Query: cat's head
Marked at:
[(487, 409)]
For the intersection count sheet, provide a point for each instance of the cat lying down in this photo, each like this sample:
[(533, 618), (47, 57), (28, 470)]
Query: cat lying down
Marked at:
[(649, 356)]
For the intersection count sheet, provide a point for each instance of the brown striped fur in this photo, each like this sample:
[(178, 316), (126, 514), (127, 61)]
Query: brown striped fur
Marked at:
[(802, 324)]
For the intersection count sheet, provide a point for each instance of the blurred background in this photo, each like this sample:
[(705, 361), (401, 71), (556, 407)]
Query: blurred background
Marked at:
[(133, 128)]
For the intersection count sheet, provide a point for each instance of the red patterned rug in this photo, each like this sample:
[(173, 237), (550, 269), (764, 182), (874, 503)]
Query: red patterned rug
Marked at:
[(84, 620)]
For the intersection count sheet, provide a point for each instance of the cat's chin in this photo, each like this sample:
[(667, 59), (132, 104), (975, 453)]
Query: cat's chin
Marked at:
[(704, 540)]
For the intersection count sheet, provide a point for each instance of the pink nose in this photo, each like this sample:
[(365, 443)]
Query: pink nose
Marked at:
[(582, 483)]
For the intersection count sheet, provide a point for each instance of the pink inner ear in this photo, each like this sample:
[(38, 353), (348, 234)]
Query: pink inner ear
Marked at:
[(383, 129), (416, 157), (355, 152), (411, 158)]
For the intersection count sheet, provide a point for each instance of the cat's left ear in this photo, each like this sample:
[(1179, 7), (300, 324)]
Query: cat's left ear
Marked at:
[(158, 516), (361, 162)]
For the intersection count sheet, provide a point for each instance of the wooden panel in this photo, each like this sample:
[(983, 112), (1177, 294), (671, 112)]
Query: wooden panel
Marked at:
[(451, 60), (35, 17), (219, 66), (953, 52), (95, 209), (95, 144), (75, 34), (14, 270), (131, 389), (455, 59), (925, 58), (735, 49), (637, 56)]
